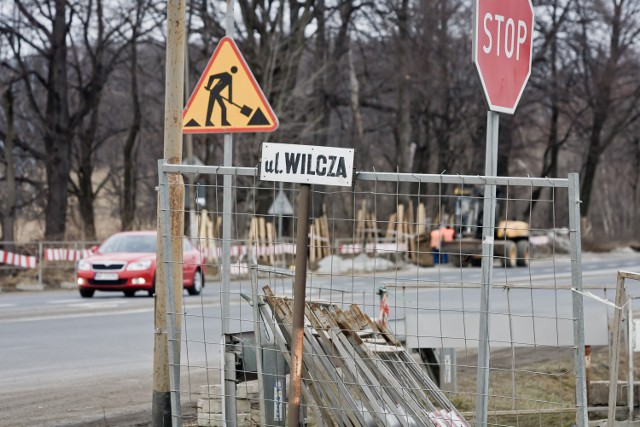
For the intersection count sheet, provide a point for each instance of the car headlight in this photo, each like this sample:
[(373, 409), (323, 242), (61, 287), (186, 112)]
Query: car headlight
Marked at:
[(139, 265), (84, 265)]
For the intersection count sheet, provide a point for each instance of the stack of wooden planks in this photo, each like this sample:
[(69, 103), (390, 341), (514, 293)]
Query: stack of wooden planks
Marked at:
[(261, 238), (319, 239), (355, 372)]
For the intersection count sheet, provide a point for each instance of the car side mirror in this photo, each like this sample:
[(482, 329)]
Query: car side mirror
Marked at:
[(94, 249)]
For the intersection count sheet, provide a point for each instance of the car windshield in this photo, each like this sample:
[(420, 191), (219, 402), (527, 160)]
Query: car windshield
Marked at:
[(129, 243)]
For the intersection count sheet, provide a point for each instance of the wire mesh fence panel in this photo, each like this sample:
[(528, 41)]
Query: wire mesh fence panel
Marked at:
[(392, 313), (25, 265)]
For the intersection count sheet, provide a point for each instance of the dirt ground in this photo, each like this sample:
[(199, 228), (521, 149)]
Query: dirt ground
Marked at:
[(121, 402)]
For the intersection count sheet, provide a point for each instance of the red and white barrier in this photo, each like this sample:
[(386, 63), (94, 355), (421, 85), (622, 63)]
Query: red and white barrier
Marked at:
[(241, 250), (355, 248), (24, 261), (61, 254)]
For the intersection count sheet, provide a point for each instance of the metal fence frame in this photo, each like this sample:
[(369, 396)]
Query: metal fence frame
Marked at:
[(571, 184), (69, 251)]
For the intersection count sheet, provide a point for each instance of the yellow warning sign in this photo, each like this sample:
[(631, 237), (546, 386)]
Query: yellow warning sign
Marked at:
[(227, 97)]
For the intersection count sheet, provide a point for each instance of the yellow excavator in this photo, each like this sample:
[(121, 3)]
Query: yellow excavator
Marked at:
[(511, 239)]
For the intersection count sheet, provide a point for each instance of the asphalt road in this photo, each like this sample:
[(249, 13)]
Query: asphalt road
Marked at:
[(70, 361)]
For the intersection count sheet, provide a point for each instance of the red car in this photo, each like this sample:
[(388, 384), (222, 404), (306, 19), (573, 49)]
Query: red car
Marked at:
[(126, 262)]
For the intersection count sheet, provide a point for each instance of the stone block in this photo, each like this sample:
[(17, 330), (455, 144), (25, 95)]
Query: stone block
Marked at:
[(599, 393), (215, 420), (214, 406)]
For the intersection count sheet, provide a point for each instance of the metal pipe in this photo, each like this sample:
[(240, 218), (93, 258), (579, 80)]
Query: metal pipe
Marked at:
[(299, 296), (228, 361), (40, 259), (173, 334), (630, 357), (390, 176), (257, 334), (488, 225), (582, 417)]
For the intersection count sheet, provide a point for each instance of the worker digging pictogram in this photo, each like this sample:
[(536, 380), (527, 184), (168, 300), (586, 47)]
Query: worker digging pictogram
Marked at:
[(227, 97)]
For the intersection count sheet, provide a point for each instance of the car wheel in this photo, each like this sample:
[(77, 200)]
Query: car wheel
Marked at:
[(198, 283), (87, 293), (476, 261), (524, 253), (152, 291), (129, 294), (510, 257), (456, 260)]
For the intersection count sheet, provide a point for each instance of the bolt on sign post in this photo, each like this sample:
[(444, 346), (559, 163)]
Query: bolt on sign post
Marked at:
[(305, 165), (502, 45)]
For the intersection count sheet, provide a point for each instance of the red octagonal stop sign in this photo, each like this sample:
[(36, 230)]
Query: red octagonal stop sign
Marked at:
[(502, 36)]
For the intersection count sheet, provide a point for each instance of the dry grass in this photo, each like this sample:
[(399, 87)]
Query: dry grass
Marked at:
[(52, 277), (528, 387)]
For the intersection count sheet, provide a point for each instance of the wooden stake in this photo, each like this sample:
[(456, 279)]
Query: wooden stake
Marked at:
[(270, 243)]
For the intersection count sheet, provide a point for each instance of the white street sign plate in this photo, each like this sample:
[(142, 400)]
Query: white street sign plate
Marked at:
[(307, 164)]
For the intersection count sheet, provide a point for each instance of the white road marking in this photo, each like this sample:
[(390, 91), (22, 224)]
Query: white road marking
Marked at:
[(7, 305), (106, 313), (100, 304), (76, 315), (63, 301)]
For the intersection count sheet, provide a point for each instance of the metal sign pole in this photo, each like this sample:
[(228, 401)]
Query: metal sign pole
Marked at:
[(280, 222), (488, 225), (227, 375), (299, 296)]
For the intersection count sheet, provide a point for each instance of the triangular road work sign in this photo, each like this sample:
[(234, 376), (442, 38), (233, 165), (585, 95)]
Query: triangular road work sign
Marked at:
[(227, 97), (281, 205)]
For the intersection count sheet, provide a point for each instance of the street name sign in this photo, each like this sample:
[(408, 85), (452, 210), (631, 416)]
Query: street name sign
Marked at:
[(502, 46), (307, 164)]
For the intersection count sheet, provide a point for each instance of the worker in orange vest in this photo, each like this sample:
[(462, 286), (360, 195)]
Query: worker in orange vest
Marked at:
[(448, 233), (439, 235), (436, 243)]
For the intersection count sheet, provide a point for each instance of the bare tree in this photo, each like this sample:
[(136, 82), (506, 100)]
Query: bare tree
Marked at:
[(610, 87), (8, 203), (44, 32), (553, 79)]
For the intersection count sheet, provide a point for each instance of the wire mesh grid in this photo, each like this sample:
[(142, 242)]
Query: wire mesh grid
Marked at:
[(392, 312)]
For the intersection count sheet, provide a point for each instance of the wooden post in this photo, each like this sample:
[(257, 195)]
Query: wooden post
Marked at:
[(587, 364), (299, 297), (421, 220), (270, 243), (391, 226), (172, 152), (262, 238)]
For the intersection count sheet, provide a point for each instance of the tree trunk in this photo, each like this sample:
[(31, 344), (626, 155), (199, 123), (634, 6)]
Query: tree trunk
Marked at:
[(403, 128), (85, 193), (356, 111), (57, 135), (128, 211), (9, 198), (590, 169)]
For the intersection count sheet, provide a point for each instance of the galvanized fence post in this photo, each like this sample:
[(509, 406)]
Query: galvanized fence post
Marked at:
[(578, 307), (257, 334), (488, 226), (39, 264), (168, 265)]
